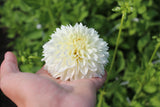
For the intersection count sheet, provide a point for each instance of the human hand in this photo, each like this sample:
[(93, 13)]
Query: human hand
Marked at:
[(42, 90)]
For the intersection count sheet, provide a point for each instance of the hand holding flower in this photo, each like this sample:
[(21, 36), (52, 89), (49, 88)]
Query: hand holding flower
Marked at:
[(42, 90)]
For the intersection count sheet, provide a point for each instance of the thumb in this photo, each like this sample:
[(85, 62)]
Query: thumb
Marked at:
[(9, 64)]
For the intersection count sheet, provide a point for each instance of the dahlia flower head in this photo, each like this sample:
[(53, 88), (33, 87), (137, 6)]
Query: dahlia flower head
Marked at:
[(75, 52)]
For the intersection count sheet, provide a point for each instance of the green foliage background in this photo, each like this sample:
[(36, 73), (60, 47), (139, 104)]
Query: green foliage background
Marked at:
[(134, 79)]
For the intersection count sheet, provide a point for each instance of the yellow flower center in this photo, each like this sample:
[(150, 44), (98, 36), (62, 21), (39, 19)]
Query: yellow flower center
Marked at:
[(79, 44)]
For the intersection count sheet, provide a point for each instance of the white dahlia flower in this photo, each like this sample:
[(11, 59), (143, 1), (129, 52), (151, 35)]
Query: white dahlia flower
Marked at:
[(75, 52)]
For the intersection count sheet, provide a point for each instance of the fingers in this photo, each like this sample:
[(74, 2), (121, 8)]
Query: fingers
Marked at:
[(86, 86), (98, 82), (9, 64), (93, 83)]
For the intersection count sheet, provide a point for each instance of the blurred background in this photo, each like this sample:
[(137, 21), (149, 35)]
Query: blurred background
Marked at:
[(25, 25)]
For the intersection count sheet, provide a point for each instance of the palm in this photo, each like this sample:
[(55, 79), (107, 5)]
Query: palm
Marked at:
[(27, 89)]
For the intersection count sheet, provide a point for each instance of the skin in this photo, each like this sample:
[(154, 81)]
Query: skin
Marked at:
[(42, 90)]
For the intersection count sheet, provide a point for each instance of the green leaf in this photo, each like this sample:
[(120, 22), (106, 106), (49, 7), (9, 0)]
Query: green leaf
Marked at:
[(116, 9), (120, 61), (155, 100), (142, 9), (11, 35), (99, 2), (142, 42), (34, 3), (136, 104), (35, 35), (150, 88), (83, 15)]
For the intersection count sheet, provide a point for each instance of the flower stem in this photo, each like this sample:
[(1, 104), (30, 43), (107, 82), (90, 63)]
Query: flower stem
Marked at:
[(144, 82), (102, 93), (117, 42), (154, 52)]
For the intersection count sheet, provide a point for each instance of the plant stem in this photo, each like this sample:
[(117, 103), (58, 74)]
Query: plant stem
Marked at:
[(154, 52), (144, 82), (100, 98), (138, 92), (117, 42)]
